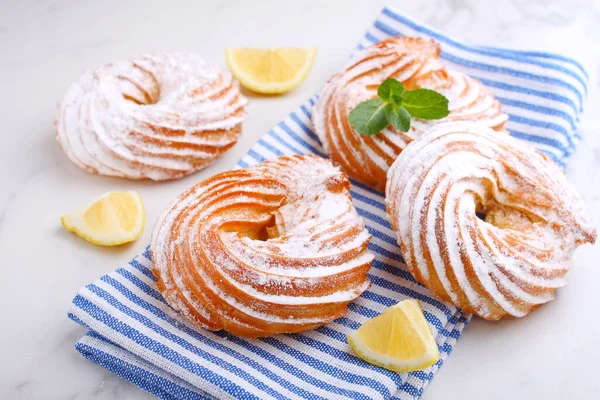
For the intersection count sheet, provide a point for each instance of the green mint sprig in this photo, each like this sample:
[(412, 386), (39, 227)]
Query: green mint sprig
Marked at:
[(395, 106)]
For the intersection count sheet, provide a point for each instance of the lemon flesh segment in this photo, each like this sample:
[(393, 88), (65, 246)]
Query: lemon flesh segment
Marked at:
[(399, 339), (270, 71), (113, 219)]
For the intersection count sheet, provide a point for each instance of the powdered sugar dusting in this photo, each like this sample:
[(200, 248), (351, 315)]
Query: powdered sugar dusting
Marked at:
[(517, 256), (277, 247), (157, 116), (415, 63)]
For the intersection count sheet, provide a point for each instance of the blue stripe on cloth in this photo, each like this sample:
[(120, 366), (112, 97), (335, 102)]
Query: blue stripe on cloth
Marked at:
[(485, 67), (513, 54), (545, 125), (138, 282), (77, 319), (164, 388), (329, 369), (304, 127), (538, 109), (376, 280), (278, 138), (147, 253), (537, 139), (391, 269), (368, 189), (543, 55), (256, 156), (154, 348), (487, 51), (379, 221), (306, 111), (161, 315), (375, 232), (144, 287), (387, 302), (162, 349), (138, 376), (369, 200), (123, 290), (212, 343), (140, 267), (272, 149), (298, 139), (544, 95), (351, 358)]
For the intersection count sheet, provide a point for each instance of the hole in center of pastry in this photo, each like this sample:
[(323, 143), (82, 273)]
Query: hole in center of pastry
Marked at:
[(141, 100), (480, 211), (255, 231), (142, 95), (506, 217), (503, 216)]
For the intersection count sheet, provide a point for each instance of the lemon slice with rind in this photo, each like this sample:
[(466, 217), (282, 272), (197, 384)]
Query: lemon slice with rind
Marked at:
[(399, 339), (270, 71), (113, 219)]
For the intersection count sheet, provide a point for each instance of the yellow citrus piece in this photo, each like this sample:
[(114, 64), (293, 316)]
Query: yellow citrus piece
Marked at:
[(399, 339), (270, 71), (113, 219)]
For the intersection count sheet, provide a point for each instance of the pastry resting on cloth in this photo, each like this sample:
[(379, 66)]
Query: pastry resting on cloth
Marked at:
[(483, 220), (414, 62), (277, 247), (156, 116)]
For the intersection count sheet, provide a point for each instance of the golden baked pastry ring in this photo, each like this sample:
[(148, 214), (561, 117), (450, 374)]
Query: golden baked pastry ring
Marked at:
[(157, 116), (274, 248), (415, 62), (514, 258)]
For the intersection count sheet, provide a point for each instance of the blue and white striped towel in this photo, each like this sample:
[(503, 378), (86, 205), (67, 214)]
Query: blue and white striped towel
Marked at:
[(133, 333)]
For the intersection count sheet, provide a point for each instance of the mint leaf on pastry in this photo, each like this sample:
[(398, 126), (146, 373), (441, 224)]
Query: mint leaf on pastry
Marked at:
[(425, 104), (395, 106), (398, 117), (368, 117), (391, 91)]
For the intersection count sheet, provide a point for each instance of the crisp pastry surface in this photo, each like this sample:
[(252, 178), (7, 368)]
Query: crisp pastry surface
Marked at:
[(483, 220), (277, 247), (157, 116), (414, 62)]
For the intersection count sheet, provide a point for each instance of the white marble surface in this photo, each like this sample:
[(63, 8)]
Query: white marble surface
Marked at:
[(44, 46)]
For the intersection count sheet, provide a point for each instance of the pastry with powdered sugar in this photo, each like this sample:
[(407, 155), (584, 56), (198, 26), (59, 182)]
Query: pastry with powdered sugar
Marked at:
[(483, 220), (414, 62), (274, 248), (157, 116)]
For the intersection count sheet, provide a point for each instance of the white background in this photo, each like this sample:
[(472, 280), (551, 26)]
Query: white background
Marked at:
[(44, 46)]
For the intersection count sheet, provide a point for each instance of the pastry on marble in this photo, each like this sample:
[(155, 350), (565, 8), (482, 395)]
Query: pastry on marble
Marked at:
[(157, 116), (415, 62), (277, 247), (484, 221)]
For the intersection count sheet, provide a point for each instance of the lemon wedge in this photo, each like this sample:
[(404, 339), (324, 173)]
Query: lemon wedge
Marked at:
[(399, 339), (270, 71), (113, 219)]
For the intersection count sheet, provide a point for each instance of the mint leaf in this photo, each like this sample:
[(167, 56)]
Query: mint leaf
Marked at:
[(368, 117), (398, 117), (391, 90), (396, 106), (425, 104)]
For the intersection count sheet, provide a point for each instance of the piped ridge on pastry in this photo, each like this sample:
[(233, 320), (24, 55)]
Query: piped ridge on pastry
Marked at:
[(414, 62), (274, 248), (157, 116), (483, 220)]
